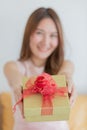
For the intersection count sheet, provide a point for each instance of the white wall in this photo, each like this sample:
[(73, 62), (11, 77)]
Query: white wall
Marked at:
[(13, 16)]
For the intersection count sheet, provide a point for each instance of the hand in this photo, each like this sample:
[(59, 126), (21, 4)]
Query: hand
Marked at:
[(71, 91)]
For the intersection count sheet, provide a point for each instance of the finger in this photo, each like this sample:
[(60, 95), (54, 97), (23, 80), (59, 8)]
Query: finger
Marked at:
[(73, 97), (70, 84), (71, 101)]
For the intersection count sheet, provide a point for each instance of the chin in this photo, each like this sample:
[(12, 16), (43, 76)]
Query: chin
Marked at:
[(43, 57)]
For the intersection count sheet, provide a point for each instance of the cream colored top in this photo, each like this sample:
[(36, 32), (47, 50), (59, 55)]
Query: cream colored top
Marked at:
[(27, 68)]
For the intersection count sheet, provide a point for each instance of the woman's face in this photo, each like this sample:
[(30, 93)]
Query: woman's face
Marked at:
[(44, 39)]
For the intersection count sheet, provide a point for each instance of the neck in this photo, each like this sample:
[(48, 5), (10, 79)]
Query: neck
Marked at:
[(38, 62)]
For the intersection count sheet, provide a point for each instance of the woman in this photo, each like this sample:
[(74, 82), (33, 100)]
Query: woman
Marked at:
[(42, 51)]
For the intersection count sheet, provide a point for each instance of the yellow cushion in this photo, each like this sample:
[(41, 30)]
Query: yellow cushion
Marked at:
[(7, 120)]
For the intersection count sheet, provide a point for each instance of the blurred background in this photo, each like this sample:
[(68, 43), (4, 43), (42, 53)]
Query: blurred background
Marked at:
[(73, 15)]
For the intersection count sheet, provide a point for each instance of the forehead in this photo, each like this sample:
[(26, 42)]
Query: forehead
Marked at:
[(47, 24)]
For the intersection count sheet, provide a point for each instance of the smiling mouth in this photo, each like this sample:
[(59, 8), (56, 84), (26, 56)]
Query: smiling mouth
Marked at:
[(43, 49)]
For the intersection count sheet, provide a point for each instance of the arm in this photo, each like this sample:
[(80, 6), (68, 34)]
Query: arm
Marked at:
[(14, 78), (67, 69), (12, 74)]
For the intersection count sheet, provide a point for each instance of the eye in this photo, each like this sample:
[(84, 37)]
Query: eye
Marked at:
[(54, 36), (39, 32)]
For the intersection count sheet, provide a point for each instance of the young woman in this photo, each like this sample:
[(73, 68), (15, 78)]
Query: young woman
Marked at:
[(42, 51)]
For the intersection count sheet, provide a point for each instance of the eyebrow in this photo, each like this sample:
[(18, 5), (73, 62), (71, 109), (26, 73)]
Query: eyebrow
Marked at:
[(43, 30)]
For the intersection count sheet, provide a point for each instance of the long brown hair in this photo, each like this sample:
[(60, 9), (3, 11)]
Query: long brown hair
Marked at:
[(56, 59)]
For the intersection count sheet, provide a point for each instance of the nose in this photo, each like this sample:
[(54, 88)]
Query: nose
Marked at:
[(46, 40)]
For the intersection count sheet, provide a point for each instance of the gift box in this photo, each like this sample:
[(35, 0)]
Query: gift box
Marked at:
[(44, 107)]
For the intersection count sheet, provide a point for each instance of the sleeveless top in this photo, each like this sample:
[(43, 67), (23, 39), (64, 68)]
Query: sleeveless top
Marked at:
[(27, 68)]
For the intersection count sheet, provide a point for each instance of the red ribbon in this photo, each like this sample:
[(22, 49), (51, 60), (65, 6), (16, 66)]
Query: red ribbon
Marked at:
[(46, 86)]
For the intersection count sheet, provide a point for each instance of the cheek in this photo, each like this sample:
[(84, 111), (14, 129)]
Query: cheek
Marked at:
[(35, 39), (55, 43)]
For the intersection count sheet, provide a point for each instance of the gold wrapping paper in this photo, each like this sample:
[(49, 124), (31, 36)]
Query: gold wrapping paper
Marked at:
[(32, 104)]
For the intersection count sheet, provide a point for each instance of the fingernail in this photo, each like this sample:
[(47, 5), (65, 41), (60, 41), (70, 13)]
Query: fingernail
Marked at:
[(69, 90)]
